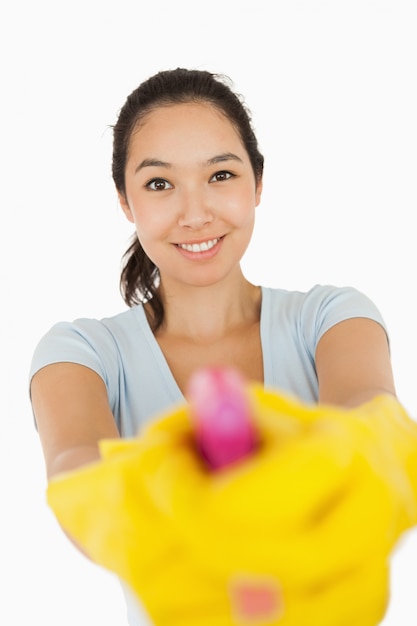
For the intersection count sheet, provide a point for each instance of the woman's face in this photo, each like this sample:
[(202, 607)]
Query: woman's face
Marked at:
[(191, 193)]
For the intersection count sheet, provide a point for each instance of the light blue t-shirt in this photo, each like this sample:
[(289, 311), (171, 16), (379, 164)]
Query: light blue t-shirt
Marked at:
[(124, 352)]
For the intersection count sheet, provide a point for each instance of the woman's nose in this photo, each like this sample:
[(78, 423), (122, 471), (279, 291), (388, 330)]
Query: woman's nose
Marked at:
[(195, 211)]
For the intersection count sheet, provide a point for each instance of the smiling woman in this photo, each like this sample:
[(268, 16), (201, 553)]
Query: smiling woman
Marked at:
[(177, 137), (188, 173), (192, 197)]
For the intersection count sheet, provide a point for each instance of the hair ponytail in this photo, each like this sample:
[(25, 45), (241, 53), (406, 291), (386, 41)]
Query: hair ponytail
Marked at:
[(139, 281)]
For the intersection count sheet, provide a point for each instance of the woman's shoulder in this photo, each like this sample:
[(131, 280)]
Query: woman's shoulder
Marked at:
[(90, 327), (96, 343), (320, 306), (317, 295)]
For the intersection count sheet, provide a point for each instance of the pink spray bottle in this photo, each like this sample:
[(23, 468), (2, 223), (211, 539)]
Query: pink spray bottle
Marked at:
[(220, 411), (226, 434)]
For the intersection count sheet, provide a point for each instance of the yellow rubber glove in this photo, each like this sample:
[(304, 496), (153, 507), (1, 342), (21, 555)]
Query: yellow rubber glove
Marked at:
[(298, 534)]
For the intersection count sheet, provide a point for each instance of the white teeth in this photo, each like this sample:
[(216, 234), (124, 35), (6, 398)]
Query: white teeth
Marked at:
[(199, 247)]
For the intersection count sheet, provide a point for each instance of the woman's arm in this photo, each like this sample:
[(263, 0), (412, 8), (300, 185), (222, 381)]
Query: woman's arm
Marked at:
[(72, 414), (353, 363)]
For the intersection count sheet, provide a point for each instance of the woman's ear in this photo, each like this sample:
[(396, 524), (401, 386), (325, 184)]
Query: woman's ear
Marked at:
[(125, 206), (258, 191)]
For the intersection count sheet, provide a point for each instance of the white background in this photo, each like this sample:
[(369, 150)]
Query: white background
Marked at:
[(332, 89)]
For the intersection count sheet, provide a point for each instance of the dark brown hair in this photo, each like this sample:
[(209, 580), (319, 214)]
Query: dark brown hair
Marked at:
[(140, 276)]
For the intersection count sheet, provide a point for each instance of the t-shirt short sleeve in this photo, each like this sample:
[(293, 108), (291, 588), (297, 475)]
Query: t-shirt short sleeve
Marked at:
[(123, 351), (325, 306), (293, 323), (85, 342)]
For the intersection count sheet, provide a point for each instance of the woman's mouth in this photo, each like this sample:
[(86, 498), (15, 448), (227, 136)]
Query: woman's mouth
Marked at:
[(204, 246)]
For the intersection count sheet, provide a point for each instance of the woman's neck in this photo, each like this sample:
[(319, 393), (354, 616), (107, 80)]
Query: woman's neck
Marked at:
[(204, 314)]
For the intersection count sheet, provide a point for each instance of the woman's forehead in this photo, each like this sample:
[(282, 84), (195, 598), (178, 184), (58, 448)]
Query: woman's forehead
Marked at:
[(197, 125)]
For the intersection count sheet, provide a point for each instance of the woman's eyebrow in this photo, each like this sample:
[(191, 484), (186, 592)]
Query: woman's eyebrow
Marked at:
[(226, 156), (151, 163)]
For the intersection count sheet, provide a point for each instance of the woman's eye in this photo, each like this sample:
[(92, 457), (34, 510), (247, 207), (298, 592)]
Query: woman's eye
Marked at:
[(220, 176), (158, 184)]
